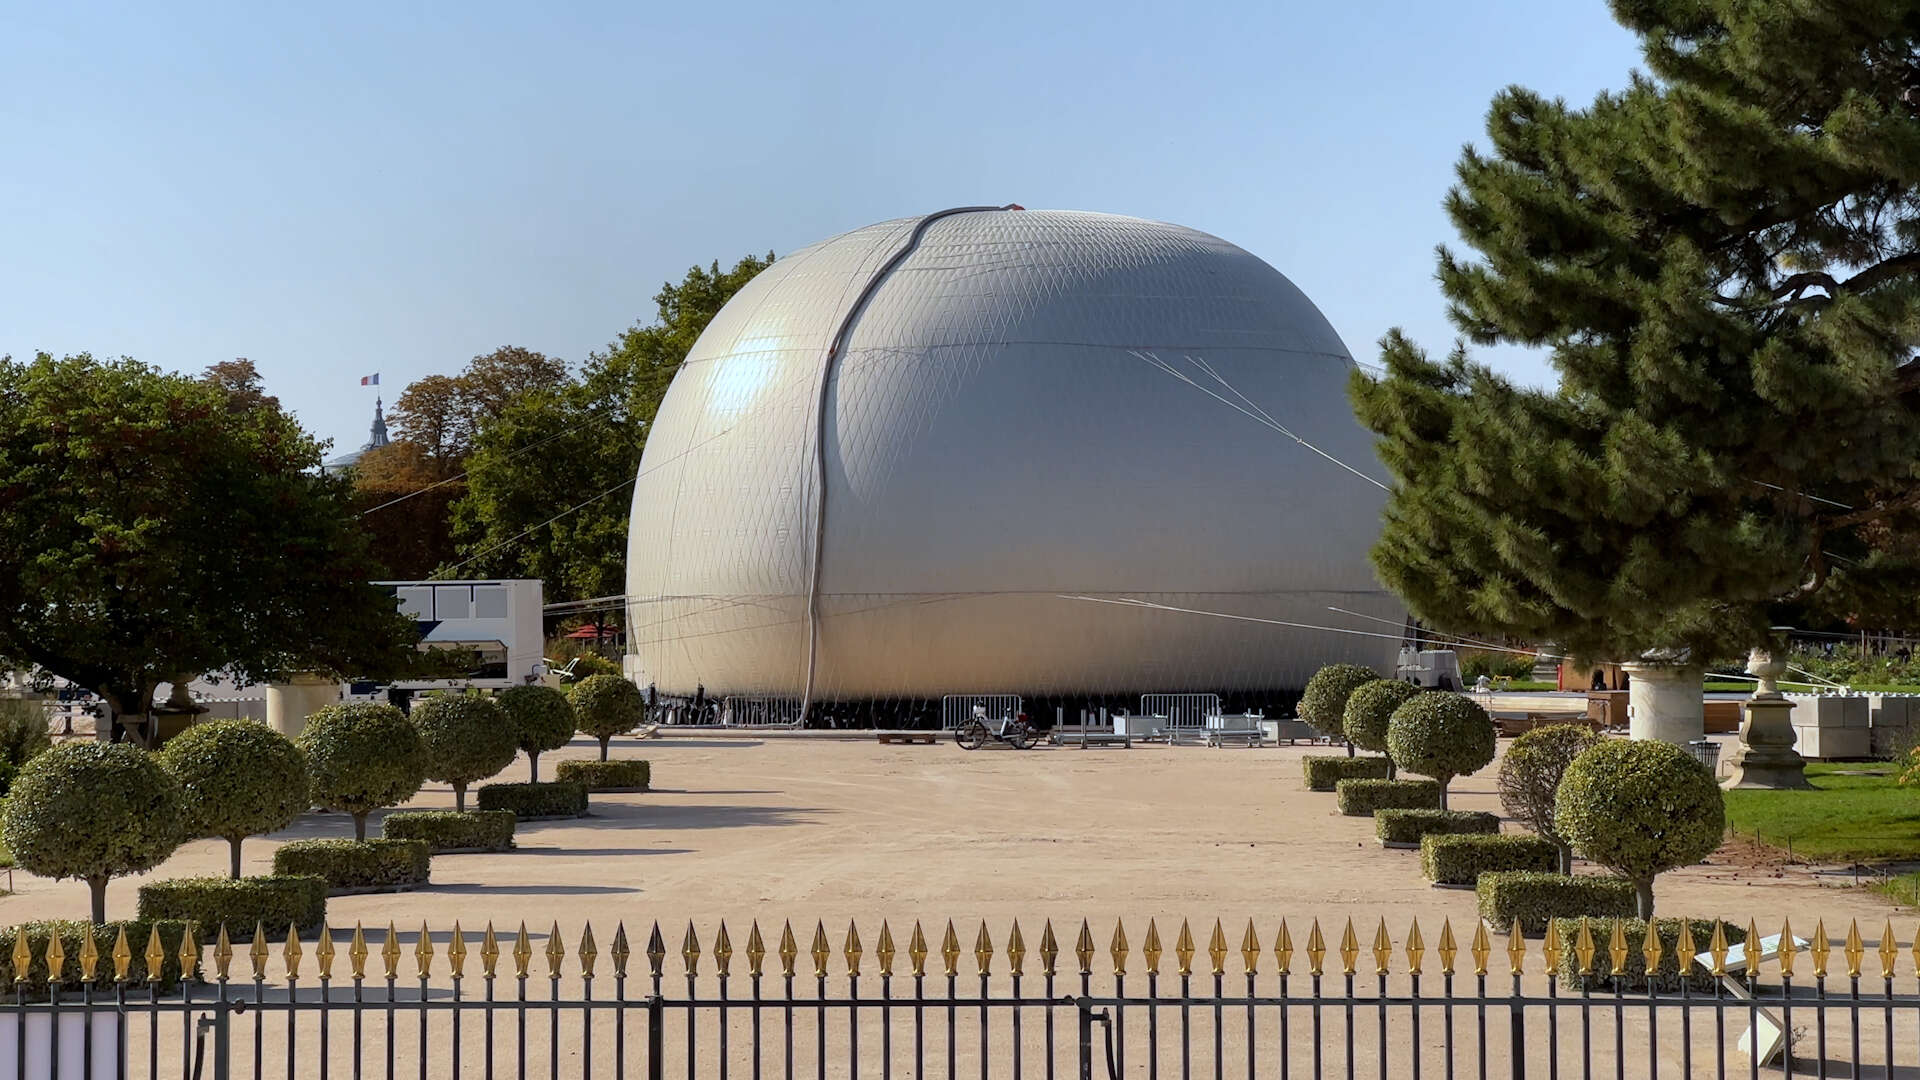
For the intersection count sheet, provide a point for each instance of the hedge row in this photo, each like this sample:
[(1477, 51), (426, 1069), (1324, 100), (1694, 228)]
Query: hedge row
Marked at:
[(1359, 798), (72, 935), (1460, 860), (1324, 772), (556, 799), (629, 775), (1409, 826), (1536, 898), (452, 830), (354, 865), (241, 903), (1634, 973)]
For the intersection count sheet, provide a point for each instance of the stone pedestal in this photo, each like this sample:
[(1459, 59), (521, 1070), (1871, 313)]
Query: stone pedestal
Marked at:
[(1664, 702), (290, 703), (1766, 758)]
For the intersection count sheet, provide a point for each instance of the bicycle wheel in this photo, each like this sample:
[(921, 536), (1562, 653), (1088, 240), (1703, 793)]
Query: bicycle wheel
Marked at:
[(1021, 736), (970, 735)]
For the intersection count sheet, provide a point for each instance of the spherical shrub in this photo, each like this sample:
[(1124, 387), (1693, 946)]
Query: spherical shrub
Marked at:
[(92, 811), (1442, 736), (543, 718), (361, 757), (241, 778), (605, 706), (1640, 808), (1530, 778), (1325, 699), (468, 738), (1370, 707)]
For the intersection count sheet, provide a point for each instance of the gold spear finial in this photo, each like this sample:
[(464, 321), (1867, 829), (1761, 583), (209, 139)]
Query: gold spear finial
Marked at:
[(56, 958), (1516, 949), (23, 954), (90, 956), (1316, 950), (1889, 951), (1049, 949), (1686, 949), (1717, 945), (1250, 949), (883, 949), (1447, 949), (556, 951), (950, 950), (1382, 948), (1856, 950), (756, 949), (489, 952), (1819, 948), (690, 950), (189, 951), (257, 952), (1150, 950), (789, 949), (656, 951), (1482, 948), (522, 952), (1550, 947), (1751, 950), (122, 955), (322, 951), (457, 952), (423, 952), (821, 950), (1016, 949), (156, 955), (852, 950), (357, 951), (1117, 948), (1217, 948), (1083, 948), (588, 953), (1283, 949), (1183, 949), (620, 951), (1416, 948), (917, 949), (1787, 951), (390, 951), (983, 949), (722, 950), (1617, 948), (1583, 946), (1349, 948)]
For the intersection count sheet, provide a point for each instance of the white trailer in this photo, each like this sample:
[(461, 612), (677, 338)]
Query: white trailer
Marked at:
[(497, 620)]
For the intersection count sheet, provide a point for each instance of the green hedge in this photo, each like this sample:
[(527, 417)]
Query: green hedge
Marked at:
[(556, 799), (357, 864), (1535, 898), (1360, 798), (1666, 980), (1323, 772), (1408, 826), (452, 830), (240, 903), (104, 935), (1460, 860), (630, 775)]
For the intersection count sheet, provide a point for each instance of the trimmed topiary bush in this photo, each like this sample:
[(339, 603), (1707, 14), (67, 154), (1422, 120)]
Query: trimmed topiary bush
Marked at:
[(1530, 778), (607, 775), (1536, 898), (1442, 736), (73, 934), (361, 757), (241, 778), (273, 902), (352, 866), (93, 811), (1634, 975), (1360, 798), (1405, 827), (468, 738), (531, 801), (1368, 710), (605, 706), (1640, 808), (1325, 700), (1461, 859), (446, 831), (1323, 772), (542, 718)]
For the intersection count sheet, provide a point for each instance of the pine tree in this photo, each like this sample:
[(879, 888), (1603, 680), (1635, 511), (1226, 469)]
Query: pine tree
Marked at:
[(1723, 261)]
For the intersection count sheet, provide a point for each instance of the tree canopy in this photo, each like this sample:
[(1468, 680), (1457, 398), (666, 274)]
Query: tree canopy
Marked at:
[(155, 526), (1723, 261)]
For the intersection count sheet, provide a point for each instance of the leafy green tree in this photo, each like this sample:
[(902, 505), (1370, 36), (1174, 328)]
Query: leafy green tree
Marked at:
[(1723, 262), (1640, 809), (93, 811), (1369, 708), (522, 516), (1530, 775), (1324, 703), (468, 737), (23, 731), (155, 527), (605, 706), (1440, 735), (542, 718), (361, 757), (241, 778)]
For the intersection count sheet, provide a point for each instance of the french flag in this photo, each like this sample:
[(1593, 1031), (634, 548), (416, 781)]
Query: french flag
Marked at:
[(370, 380)]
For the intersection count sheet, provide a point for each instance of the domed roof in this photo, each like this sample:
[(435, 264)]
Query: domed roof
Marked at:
[(909, 460)]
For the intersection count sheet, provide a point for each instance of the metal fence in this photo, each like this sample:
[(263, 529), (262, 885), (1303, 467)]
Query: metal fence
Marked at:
[(1266, 1007), (957, 709), (761, 712), (1181, 710)]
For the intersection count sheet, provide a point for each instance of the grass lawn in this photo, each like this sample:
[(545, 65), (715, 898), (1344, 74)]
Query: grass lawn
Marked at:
[(1856, 813)]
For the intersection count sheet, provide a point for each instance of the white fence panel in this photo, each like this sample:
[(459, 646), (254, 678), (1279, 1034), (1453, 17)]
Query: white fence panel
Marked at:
[(1181, 710), (956, 708)]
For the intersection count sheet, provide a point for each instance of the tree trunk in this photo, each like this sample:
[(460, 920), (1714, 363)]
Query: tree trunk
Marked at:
[(1349, 743), (1444, 781), (1643, 897), (533, 766), (98, 886), (234, 861), (604, 740), (460, 796), (360, 825), (1391, 769), (1566, 859)]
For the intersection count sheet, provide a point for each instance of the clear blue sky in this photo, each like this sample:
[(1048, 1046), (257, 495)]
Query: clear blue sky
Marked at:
[(338, 189)]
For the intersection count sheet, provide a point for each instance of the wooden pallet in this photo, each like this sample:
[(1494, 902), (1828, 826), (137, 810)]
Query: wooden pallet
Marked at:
[(908, 736)]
